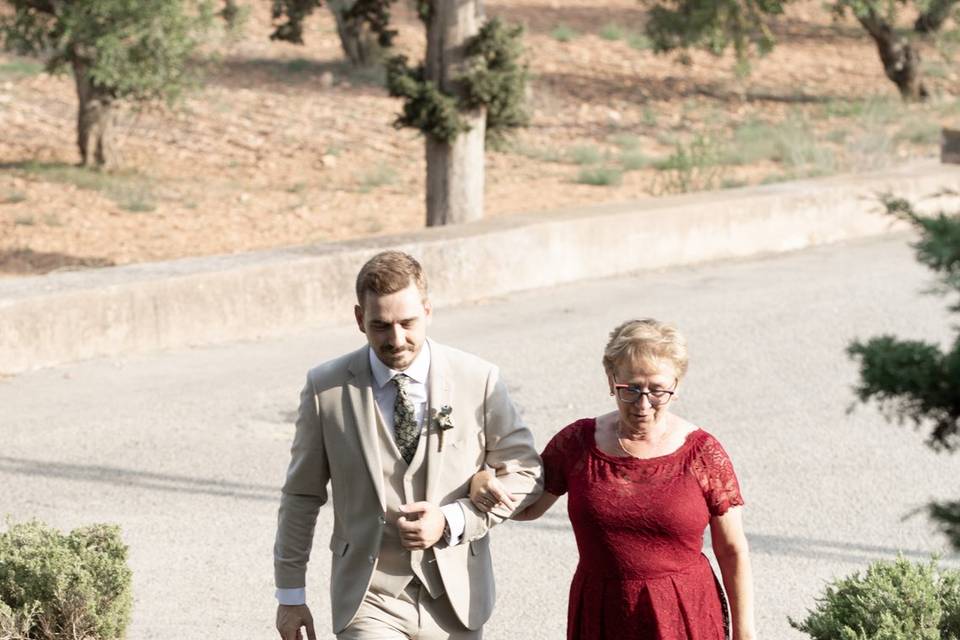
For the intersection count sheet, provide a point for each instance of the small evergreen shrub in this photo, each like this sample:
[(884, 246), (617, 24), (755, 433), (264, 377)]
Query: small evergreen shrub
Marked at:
[(892, 600), (56, 586)]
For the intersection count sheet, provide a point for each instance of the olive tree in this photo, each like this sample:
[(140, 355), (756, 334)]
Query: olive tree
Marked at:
[(917, 381), (717, 24), (362, 25), (468, 90), (116, 49)]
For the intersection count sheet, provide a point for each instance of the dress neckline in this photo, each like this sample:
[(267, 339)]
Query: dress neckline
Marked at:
[(597, 451)]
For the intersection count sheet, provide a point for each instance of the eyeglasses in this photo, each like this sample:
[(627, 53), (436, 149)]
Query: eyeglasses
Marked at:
[(631, 393)]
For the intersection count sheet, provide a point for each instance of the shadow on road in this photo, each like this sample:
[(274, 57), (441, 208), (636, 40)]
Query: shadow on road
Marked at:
[(139, 479), (819, 549)]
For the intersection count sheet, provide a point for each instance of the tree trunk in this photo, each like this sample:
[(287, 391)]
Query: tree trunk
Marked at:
[(933, 18), (358, 42), (901, 61), (455, 171), (93, 118)]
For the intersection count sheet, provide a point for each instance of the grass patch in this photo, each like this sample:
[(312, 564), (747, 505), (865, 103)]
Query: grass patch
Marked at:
[(754, 141), (297, 187), (789, 142), (871, 149), (379, 176), (611, 31), (633, 160), (52, 220), (129, 190), (875, 109), (691, 167), (585, 154), (563, 33), (838, 136), (14, 197), (649, 117), (19, 68), (541, 154), (25, 220), (639, 41), (600, 176), (626, 141), (919, 132)]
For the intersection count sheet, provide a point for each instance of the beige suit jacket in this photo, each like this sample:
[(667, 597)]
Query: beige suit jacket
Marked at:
[(336, 443)]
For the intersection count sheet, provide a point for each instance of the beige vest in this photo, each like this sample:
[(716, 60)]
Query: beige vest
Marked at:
[(402, 484)]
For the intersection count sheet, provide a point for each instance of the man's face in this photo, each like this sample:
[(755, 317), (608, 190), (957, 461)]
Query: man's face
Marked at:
[(395, 325)]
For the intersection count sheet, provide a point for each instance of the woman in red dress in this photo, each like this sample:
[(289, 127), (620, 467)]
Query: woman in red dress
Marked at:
[(643, 485)]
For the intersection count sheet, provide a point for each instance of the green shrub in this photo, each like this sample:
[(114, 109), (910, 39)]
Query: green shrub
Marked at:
[(892, 600), (585, 154), (563, 33), (57, 586), (600, 176), (611, 31)]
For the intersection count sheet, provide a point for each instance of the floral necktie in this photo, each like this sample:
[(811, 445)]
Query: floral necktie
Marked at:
[(404, 422)]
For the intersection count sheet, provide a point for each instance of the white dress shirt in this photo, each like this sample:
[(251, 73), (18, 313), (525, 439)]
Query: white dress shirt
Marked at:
[(385, 395)]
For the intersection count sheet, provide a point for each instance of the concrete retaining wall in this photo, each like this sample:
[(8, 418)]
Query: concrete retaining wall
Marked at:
[(47, 320)]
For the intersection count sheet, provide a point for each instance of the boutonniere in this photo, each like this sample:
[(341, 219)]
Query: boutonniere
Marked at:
[(442, 422)]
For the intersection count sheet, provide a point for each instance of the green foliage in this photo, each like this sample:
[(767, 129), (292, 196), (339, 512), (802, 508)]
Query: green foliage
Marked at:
[(494, 79), (563, 33), (611, 31), (425, 107), (914, 380), (892, 600), (57, 586), (691, 167), (633, 159), (600, 176), (292, 13), (131, 49), (920, 132), (585, 154), (289, 15), (713, 25)]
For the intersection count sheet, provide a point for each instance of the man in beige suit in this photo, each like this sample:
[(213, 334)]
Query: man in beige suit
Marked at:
[(398, 428)]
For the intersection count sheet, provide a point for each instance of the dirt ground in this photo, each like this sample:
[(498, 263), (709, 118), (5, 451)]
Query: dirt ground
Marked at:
[(286, 145)]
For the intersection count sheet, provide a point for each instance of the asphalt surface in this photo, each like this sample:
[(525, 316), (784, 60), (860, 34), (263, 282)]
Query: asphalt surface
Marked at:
[(187, 449)]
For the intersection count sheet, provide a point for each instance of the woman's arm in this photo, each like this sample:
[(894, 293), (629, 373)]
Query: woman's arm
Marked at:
[(733, 556), (486, 492)]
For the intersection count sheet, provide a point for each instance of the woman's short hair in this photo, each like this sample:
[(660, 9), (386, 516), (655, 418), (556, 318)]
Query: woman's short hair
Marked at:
[(647, 343), (389, 272)]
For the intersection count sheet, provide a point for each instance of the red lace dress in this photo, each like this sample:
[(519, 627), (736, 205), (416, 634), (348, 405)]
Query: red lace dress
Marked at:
[(639, 527)]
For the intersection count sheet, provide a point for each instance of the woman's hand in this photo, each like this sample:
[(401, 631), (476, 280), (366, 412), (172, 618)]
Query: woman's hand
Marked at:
[(486, 492)]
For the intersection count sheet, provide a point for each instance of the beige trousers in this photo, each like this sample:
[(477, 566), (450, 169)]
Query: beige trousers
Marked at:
[(412, 615)]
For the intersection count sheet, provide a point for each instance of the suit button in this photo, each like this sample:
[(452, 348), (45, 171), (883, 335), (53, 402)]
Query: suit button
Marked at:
[(383, 520), (371, 559)]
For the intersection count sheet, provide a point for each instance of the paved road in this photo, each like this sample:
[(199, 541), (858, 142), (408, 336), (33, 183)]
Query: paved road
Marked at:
[(186, 450)]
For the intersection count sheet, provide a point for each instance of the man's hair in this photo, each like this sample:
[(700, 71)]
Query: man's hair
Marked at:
[(645, 343), (389, 272)]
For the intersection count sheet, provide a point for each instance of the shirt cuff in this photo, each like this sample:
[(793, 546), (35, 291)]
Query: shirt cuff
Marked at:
[(292, 596), (453, 532)]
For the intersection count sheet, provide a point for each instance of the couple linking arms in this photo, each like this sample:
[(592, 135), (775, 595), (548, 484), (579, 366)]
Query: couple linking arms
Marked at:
[(402, 429)]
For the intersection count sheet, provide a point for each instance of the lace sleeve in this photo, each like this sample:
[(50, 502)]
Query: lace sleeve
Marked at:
[(716, 476), (556, 458)]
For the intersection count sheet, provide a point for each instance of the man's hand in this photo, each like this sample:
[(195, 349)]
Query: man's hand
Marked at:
[(291, 618), (421, 525)]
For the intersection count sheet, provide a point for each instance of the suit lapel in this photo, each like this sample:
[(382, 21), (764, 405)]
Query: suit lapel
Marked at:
[(360, 392), (440, 391)]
